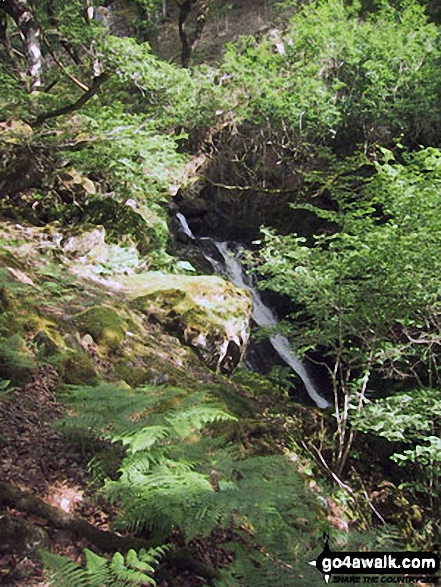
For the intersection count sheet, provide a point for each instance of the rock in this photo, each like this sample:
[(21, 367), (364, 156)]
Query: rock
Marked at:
[(78, 369), (89, 256), (45, 344), (88, 241), (195, 207), (103, 324), (20, 537), (207, 313)]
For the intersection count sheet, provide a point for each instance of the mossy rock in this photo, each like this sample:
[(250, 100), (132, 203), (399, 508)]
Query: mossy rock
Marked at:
[(104, 324), (78, 369), (46, 346), (151, 365), (133, 374), (206, 313), (16, 363), (21, 537)]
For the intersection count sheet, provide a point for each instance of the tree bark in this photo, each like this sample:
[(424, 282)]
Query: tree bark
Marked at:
[(25, 501), (188, 42), (107, 541), (19, 11)]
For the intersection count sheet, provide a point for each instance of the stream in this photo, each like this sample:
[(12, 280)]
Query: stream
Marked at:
[(233, 270)]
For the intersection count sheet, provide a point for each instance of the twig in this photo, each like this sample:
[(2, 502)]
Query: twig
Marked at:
[(248, 188), (370, 504), (63, 69), (331, 472)]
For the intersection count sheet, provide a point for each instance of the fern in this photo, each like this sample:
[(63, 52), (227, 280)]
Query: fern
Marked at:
[(136, 569), (109, 409), (177, 474)]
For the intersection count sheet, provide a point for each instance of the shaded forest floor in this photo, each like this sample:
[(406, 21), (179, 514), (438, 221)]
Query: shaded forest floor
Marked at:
[(39, 459)]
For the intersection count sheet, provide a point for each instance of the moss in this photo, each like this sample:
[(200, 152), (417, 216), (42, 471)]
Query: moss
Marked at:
[(254, 383), (134, 375), (78, 369), (206, 313), (104, 325), (144, 366), (16, 364), (46, 346)]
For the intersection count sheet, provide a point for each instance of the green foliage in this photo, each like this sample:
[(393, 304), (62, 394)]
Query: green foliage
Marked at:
[(136, 568), (404, 417), (136, 165), (413, 419), (366, 285), (368, 303), (336, 78), (178, 473)]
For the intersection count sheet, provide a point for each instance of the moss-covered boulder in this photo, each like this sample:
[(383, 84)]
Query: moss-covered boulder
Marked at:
[(205, 312), (16, 363), (104, 324), (21, 537), (77, 369)]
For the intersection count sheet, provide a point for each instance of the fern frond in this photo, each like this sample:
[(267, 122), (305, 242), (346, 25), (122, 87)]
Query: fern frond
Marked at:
[(62, 572), (97, 569), (144, 438), (196, 417), (177, 474), (158, 502), (135, 569), (110, 410)]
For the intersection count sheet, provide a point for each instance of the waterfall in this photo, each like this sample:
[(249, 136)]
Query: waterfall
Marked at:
[(262, 314), (184, 225)]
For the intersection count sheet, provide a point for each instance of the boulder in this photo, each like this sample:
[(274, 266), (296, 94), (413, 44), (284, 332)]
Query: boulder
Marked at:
[(207, 313), (21, 537), (103, 324)]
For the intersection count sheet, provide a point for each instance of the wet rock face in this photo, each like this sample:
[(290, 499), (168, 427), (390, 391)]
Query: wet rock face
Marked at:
[(207, 313), (239, 216)]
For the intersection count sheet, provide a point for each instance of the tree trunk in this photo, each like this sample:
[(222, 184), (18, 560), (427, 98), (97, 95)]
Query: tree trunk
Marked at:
[(25, 501), (188, 41), (19, 11)]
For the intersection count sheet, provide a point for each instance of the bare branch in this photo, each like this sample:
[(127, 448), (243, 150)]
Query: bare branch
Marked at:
[(63, 69), (96, 84)]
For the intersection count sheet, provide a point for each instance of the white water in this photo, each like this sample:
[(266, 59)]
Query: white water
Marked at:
[(263, 316), (184, 224)]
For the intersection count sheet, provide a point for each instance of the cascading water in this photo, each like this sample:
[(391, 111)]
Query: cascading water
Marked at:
[(184, 225), (262, 315)]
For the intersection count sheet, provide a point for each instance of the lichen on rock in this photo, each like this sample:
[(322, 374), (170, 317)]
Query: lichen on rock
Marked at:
[(205, 312)]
